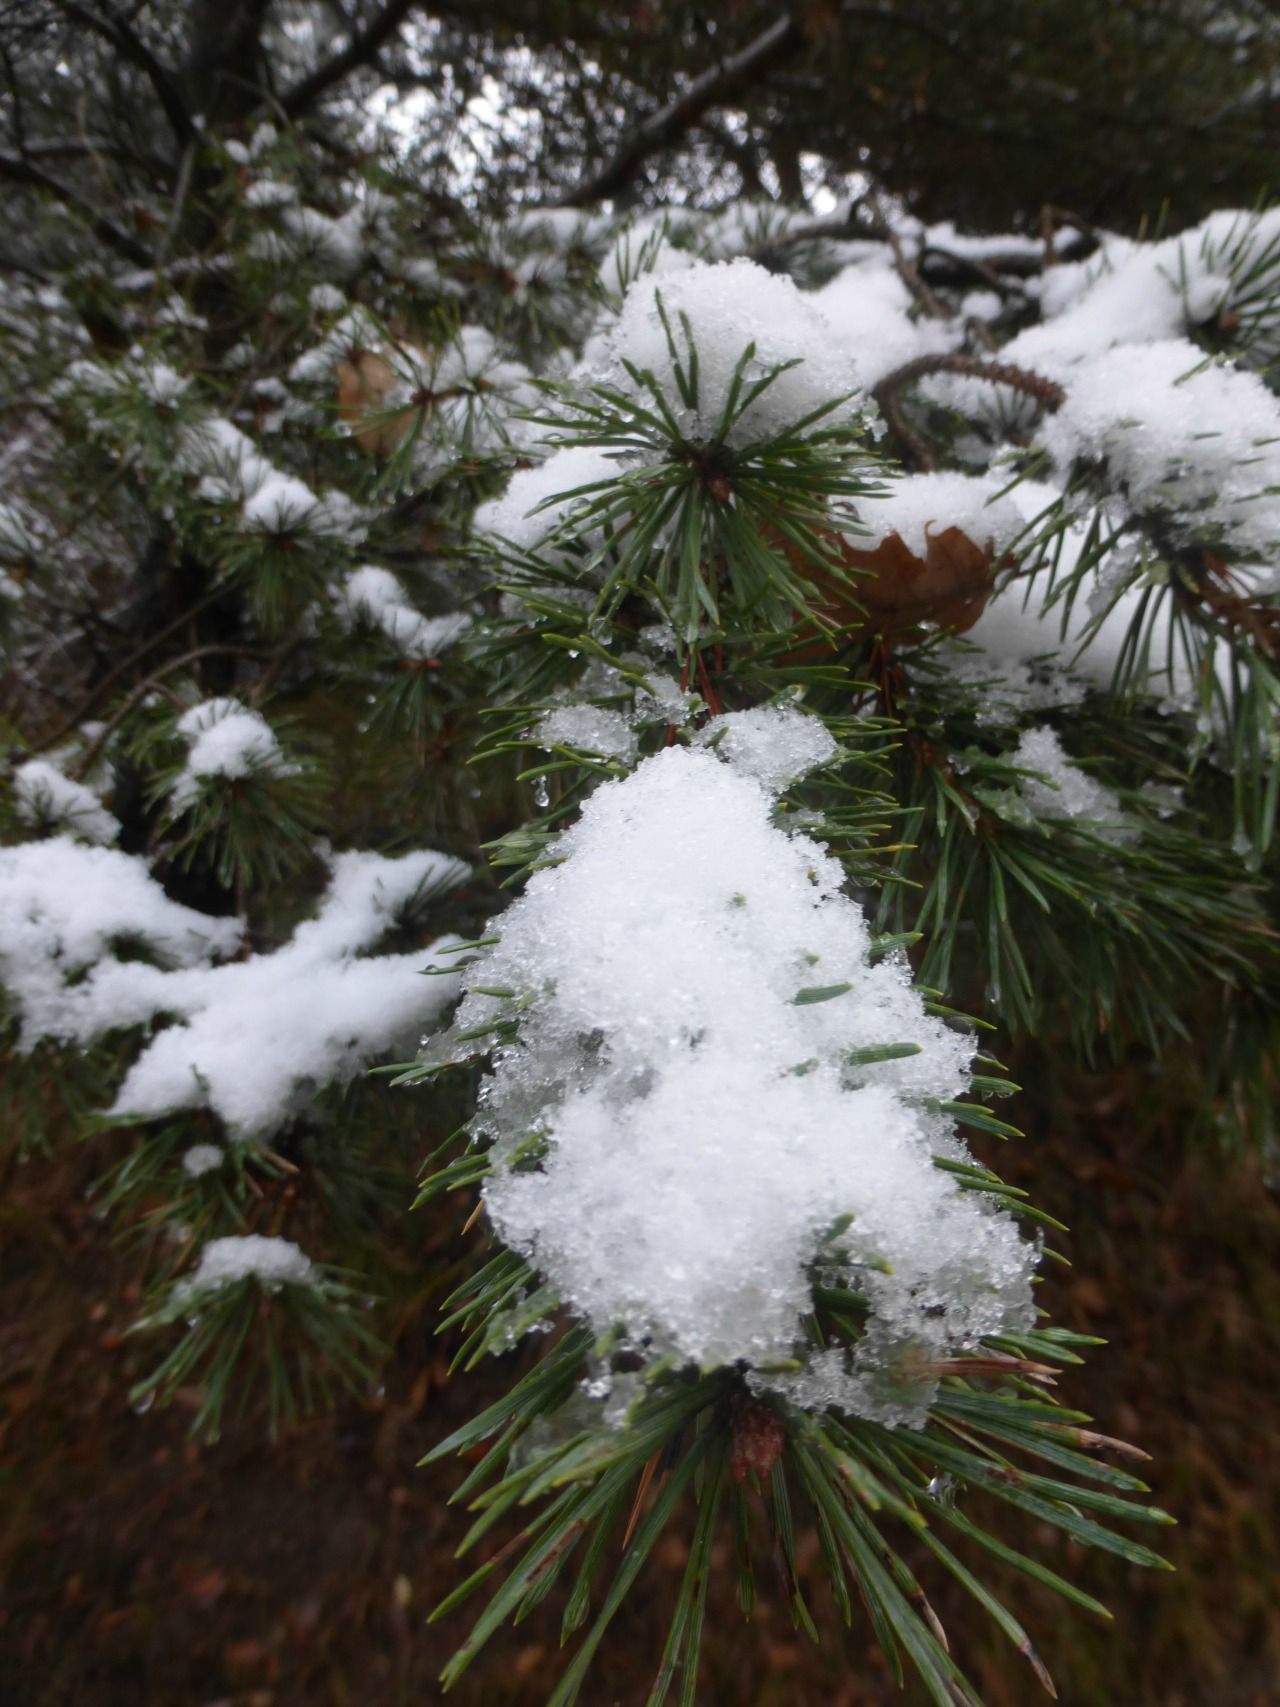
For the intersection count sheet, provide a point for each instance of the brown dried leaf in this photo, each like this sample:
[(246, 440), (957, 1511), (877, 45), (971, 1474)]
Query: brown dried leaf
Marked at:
[(364, 383)]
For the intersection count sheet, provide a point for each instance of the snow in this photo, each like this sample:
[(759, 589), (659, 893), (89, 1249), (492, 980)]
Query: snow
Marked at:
[(269, 192), (1047, 654), (252, 1039), (272, 1262), (704, 1126), (773, 744), (1179, 434), (202, 1159), (282, 504), (538, 500), (731, 305), (336, 246), (356, 333), (1059, 789), (1133, 292), (326, 299), (588, 728), (225, 739), (914, 505), (161, 385), (231, 469), (637, 253), (64, 907), (869, 310), (374, 595), (228, 463), (45, 798)]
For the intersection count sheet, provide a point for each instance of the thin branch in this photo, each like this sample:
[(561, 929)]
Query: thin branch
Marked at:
[(713, 89), (360, 50), (1045, 391), (23, 172), (96, 693), (106, 21), (908, 272), (93, 752)]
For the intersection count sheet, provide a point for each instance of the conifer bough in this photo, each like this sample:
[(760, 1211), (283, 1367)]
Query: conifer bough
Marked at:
[(309, 511)]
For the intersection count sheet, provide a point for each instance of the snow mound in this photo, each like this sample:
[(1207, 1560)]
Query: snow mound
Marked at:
[(729, 306), (703, 1068), (272, 1262), (225, 739), (46, 798)]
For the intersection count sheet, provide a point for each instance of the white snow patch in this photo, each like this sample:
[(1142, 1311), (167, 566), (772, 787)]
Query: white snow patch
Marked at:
[(915, 505), (731, 305), (869, 309), (270, 1261), (773, 744), (589, 728), (1060, 789), (282, 504), (543, 498), (202, 1159), (225, 739), (63, 908), (705, 1126), (374, 595), (48, 799)]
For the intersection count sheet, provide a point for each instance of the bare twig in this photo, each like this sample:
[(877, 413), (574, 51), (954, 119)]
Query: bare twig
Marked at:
[(1046, 392), (724, 81), (909, 273), (108, 22), (362, 49), (88, 759)]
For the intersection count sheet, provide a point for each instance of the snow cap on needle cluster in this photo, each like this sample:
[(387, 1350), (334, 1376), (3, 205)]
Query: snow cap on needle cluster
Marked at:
[(270, 1261), (225, 739), (46, 798), (730, 305), (702, 990)]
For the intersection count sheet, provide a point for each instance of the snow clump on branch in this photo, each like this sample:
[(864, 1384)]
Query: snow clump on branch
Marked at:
[(273, 1262), (728, 307), (728, 1099), (225, 739)]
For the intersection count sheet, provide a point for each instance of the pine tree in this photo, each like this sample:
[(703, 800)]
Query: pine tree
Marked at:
[(681, 687)]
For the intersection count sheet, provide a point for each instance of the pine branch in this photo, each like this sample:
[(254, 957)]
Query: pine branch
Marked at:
[(23, 172)]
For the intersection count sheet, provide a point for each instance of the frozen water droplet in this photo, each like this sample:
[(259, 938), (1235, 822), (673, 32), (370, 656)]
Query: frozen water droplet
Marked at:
[(143, 1405), (573, 652), (540, 795), (943, 1489)]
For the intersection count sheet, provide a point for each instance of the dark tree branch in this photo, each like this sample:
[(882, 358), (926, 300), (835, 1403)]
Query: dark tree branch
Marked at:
[(106, 21), (23, 172), (1047, 392), (362, 49), (725, 80)]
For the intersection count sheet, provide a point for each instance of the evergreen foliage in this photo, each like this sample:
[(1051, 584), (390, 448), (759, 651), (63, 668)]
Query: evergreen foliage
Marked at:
[(361, 531)]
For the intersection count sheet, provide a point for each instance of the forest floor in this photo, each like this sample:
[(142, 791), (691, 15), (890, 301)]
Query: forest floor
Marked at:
[(139, 1567)]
